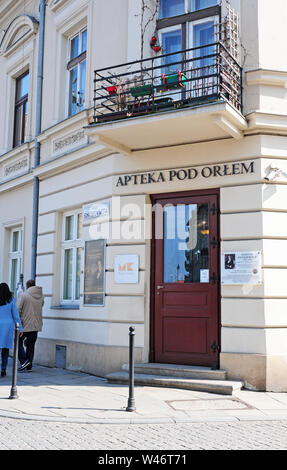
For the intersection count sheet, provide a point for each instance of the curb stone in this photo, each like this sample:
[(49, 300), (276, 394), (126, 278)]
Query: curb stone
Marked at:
[(126, 421)]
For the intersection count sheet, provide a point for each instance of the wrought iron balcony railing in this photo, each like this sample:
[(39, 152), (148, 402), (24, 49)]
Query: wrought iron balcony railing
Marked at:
[(178, 80)]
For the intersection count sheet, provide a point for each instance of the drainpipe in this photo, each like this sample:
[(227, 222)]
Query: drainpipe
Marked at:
[(37, 133)]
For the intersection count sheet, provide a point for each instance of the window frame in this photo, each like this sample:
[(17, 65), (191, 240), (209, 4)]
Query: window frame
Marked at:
[(189, 17), (15, 255), (73, 244), (171, 29), (20, 104), (186, 23), (188, 9), (186, 2), (190, 31), (75, 63)]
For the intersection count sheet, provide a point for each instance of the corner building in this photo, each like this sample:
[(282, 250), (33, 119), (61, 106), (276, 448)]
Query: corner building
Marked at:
[(161, 176)]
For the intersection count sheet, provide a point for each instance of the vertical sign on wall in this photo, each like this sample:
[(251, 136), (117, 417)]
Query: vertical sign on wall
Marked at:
[(94, 275)]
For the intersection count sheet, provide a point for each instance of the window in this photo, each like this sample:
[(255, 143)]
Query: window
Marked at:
[(21, 109), (201, 4), (72, 256), (189, 37), (171, 42), (170, 8), (203, 33), (15, 259), (77, 72), (191, 30)]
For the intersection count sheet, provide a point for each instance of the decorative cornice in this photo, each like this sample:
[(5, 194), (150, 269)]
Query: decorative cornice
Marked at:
[(266, 78), (56, 5), (264, 122), (19, 31)]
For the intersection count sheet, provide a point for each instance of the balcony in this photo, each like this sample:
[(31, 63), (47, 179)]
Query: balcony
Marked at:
[(172, 99)]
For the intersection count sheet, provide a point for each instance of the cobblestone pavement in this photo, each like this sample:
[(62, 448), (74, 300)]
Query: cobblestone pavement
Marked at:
[(32, 435)]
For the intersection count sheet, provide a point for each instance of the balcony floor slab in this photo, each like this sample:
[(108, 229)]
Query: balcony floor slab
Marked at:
[(208, 122)]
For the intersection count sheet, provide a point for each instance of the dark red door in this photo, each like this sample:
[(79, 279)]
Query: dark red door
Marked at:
[(186, 268)]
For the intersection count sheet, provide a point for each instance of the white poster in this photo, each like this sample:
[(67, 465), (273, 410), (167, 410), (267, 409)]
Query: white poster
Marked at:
[(204, 275), (126, 269), (241, 267)]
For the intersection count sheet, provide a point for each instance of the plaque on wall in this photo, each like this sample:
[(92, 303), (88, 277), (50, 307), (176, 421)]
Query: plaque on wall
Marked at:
[(94, 274), (240, 267)]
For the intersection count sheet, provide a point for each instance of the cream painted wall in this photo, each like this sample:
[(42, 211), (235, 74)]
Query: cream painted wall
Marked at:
[(104, 47), (247, 213), (273, 34)]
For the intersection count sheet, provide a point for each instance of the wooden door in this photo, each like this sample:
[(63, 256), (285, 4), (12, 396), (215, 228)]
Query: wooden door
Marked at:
[(185, 280)]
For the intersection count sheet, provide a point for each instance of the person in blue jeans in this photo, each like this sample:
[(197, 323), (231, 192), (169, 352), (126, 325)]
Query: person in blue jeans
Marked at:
[(9, 317)]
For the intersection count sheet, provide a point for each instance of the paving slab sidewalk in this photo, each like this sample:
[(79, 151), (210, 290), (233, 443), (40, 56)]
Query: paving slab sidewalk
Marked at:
[(59, 395)]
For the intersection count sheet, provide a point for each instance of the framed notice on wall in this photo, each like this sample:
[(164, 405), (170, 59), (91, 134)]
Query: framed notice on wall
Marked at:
[(126, 269), (240, 267), (94, 274)]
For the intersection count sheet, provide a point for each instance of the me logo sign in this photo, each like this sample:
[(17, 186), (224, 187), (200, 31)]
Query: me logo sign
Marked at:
[(126, 269)]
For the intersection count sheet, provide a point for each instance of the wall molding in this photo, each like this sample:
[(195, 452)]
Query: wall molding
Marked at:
[(21, 28)]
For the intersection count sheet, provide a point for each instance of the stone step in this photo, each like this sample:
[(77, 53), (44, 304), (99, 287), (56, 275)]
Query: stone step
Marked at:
[(223, 387), (175, 370)]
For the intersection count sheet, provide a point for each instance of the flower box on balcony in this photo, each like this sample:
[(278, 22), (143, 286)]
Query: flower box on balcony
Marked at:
[(142, 90), (175, 80)]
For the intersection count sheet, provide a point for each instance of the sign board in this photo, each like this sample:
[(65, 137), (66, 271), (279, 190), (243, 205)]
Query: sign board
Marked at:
[(126, 269), (94, 275), (96, 210), (241, 267), (186, 174)]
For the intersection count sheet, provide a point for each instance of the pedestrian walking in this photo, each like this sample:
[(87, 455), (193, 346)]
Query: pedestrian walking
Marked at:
[(9, 317), (30, 306)]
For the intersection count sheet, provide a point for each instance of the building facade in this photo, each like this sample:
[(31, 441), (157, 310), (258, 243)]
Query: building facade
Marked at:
[(144, 170)]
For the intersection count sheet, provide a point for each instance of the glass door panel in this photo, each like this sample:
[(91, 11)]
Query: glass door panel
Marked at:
[(204, 70), (203, 34), (186, 243), (171, 43)]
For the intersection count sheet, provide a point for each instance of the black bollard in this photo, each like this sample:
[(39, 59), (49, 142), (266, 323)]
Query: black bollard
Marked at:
[(13, 392), (131, 401)]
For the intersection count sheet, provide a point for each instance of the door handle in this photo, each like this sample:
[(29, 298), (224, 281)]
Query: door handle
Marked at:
[(158, 289)]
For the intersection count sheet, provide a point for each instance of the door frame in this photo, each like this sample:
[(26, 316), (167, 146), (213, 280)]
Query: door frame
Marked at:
[(172, 195)]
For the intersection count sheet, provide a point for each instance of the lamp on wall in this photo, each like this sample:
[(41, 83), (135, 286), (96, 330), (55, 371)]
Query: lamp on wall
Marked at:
[(273, 172)]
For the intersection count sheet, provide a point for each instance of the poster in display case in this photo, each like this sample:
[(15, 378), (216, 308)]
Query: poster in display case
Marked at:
[(94, 274)]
